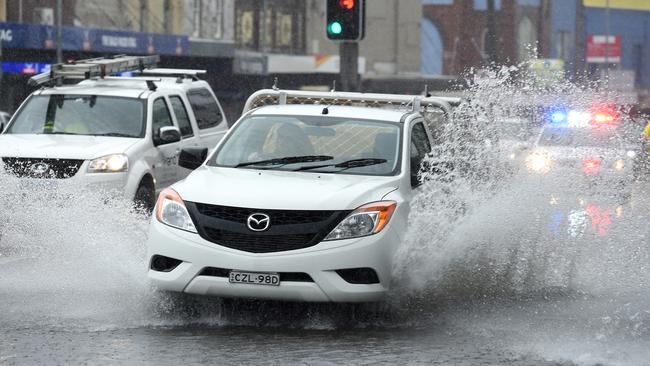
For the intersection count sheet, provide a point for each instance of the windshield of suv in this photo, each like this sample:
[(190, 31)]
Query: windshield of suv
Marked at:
[(81, 115), (312, 144), (570, 137)]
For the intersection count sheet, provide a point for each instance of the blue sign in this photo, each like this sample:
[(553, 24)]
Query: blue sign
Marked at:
[(25, 68), (36, 36)]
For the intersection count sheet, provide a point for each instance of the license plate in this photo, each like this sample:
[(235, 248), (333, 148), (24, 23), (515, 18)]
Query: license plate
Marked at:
[(30, 184), (251, 278)]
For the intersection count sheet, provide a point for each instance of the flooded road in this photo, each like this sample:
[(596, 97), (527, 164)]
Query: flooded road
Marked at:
[(515, 271), (523, 279)]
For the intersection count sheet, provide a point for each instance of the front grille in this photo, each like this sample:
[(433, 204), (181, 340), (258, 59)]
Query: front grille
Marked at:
[(280, 217), (42, 168), (258, 243), (289, 229)]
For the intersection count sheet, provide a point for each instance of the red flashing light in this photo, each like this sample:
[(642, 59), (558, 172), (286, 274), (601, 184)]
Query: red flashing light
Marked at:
[(603, 115), (347, 4), (591, 166), (603, 118)]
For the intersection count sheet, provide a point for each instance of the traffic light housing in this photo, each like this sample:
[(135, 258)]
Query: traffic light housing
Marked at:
[(345, 20)]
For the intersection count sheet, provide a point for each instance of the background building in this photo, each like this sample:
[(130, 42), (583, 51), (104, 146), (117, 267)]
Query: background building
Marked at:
[(246, 44), (459, 34)]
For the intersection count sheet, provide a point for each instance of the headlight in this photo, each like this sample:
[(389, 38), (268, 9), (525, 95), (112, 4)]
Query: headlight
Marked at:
[(619, 165), (538, 163), (366, 220), (109, 164), (171, 210), (631, 154)]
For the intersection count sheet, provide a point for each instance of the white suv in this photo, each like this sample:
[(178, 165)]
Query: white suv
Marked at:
[(120, 134), (312, 201)]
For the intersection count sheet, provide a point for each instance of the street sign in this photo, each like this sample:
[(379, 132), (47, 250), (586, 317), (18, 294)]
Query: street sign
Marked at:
[(603, 49)]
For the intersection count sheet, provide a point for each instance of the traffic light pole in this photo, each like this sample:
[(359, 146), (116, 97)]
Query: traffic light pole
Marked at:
[(349, 66)]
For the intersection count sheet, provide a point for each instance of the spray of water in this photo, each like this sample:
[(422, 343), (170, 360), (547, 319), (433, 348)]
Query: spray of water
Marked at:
[(478, 231), (482, 232)]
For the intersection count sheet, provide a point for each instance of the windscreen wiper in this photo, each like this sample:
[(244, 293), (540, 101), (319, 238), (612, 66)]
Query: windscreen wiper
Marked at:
[(287, 160), (348, 164), (59, 133), (113, 134)]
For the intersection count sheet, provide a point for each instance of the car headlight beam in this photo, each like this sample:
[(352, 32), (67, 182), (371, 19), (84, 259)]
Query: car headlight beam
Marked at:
[(619, 165), (366, 220), (539, 163), (171, 211), (115, 163)]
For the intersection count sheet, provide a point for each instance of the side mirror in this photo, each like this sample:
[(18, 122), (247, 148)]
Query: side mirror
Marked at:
[(168, 135), (192, 157)]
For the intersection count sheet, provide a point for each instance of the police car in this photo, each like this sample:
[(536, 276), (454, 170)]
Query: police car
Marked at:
[(312, 201), (589, 148), (117, 134)]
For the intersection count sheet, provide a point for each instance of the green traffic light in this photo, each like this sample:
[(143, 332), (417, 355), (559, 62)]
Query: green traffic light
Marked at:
[(335, 28)]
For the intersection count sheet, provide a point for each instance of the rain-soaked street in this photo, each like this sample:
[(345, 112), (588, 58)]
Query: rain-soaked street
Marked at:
[(482, 168), (517, 281)]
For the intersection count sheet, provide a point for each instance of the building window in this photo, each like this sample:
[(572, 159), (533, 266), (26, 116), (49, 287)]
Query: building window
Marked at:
[(481, 5), (271, 26), (527, 39)]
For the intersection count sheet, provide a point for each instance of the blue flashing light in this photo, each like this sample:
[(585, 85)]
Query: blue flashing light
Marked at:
[(558, 117)]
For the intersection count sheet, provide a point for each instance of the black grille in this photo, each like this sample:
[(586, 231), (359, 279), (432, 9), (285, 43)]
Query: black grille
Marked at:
[(280, 217), (288, 230), (42, 168)]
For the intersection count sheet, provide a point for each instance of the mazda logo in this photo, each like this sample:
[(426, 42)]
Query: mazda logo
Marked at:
[(39, 169), (258, 222)]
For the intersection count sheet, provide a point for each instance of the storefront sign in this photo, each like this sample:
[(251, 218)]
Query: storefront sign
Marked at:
[(604, 49), (36, 36), (25, 68)]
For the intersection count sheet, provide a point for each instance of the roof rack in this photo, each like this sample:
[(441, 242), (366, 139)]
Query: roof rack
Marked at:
[(416, 103), (94, 67), (178, 73)]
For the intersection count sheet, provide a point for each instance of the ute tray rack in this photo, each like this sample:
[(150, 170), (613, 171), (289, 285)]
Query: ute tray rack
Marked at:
[(415, 103), (94, 67)]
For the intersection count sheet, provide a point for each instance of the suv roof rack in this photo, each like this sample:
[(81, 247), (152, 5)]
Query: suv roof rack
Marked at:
[(94, 67), (416, 103), (178, 73)]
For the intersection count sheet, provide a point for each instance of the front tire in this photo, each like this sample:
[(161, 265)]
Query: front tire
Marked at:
[(145, 198)]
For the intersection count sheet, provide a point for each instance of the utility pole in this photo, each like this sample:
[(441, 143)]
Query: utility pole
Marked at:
[(20, 11), (345, 23), (59, 31), (580, 52), (167, 17), (143, 13), (606, 46), (349, 64)]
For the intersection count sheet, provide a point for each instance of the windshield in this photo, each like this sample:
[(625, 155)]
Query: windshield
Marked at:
[(514, 131), (314, 144), (81, 115), (579, 137)]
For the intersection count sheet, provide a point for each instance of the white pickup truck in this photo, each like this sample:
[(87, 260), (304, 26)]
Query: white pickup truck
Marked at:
[(119, 134), (313, 197)]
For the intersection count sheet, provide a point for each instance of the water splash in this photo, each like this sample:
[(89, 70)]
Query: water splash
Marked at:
[(523, 247), (479, 235)]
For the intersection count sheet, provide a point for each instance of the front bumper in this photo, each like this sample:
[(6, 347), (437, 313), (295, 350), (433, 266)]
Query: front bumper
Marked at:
[(320, 262), (109, 184)]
